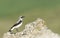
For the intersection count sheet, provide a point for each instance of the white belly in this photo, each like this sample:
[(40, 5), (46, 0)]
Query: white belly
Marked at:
[(16, 26)]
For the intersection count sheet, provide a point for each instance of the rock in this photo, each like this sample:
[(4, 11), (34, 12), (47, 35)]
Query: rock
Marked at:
[(36, 29)]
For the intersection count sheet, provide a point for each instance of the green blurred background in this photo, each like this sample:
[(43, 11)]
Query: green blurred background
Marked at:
[(10, 10)]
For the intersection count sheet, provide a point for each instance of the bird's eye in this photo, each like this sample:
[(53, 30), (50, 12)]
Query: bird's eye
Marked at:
[(22, 16)]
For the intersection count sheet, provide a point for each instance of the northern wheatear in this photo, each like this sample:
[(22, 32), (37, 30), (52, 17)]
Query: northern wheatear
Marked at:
[(18, 24)]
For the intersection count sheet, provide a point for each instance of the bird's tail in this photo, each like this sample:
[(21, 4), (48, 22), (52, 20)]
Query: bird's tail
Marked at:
[(9, 30)]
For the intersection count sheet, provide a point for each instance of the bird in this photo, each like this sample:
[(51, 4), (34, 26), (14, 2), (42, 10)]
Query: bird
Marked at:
[(17, 24)]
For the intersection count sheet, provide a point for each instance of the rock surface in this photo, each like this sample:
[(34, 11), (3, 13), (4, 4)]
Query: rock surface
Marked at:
[(36, 29)]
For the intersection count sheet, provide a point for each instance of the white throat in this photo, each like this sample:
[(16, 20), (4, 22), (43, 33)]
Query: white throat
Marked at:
[(19, 20)]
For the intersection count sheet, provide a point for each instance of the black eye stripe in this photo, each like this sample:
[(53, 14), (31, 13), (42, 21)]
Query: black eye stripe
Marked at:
[(22, 17)]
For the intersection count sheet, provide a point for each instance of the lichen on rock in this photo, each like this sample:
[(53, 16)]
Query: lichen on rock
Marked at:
[(36, 29)]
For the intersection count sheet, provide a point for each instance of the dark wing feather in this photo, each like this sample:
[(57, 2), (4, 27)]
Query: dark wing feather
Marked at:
[(16, 24)]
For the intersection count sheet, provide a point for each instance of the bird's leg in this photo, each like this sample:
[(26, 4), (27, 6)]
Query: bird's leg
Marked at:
[(17, 30)]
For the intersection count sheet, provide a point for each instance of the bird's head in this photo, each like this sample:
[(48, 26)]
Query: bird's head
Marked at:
[(21, 17)]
